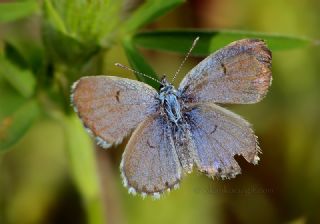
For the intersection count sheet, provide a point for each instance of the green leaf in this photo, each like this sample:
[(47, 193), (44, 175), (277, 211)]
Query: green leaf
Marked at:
[(85, 21), (12, 54), (25, 53), (63, 45), (10, 99), (21, 79), (53, 17), (10, 11), (150, 11), (68, 51), (83, 167), (15, 125), (180, 40), (139, 64)]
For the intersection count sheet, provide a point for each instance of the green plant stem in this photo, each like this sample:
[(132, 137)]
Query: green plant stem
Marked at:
[(94, 211), (84, 169)]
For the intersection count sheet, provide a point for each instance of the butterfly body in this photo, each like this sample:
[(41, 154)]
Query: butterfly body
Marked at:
[(173, 112), (169, 101), (175, 130)]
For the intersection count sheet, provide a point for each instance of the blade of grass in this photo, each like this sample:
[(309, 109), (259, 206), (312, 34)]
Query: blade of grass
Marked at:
[(180, 40), (52, 17), (139, 64), (150, 11)]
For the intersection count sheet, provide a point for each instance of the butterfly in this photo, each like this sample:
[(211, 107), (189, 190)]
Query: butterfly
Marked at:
[(177, 129)]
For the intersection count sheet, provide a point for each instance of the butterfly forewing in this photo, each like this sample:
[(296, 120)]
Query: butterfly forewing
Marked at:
[(218, 135), (111, 107), (150, 164), (239, 73)]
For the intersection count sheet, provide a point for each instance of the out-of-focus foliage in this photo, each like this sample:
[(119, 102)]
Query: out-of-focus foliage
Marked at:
[(148, 12), (22, 80), (138, 63), (179, 40), (11, 11), (50, 171)]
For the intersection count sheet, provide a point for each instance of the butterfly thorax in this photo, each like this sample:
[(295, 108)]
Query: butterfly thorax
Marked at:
[(168, 97)]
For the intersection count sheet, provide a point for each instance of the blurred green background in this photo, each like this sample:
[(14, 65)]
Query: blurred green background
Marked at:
[(51, 172)]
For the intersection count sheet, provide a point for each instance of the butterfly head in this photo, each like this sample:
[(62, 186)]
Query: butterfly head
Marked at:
[(164, 81), (166, 87)]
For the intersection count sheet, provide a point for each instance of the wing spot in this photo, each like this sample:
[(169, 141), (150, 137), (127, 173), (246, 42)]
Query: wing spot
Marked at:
[(149, 144), (214, 130), (224, 68), (117, 96)]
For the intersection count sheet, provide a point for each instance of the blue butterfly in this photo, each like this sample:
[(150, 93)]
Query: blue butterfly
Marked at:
[(175, 130)]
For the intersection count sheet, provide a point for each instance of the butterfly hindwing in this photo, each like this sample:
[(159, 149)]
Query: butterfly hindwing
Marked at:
[(111, 107), (218, 135), (150, 164), (238, 73)]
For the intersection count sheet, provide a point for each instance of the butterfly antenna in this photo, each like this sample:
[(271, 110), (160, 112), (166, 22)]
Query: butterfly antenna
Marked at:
[(134, 71), (185, 59)]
